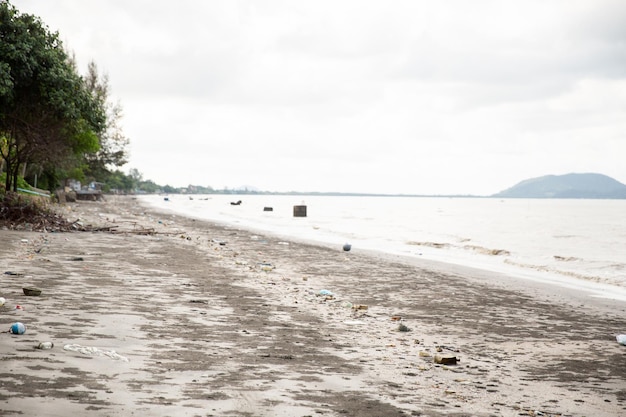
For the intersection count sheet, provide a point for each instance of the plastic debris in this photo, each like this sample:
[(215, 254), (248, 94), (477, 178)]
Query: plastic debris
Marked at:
[(446, 359), (45, 345), (88, 350), (403, 328), (2, 301), (17, 328), (621, 339), (354, 322), (347, 247), (266, 267), (326, 292)]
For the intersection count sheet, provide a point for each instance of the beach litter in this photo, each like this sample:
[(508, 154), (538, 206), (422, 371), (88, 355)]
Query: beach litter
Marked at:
[(17, 328), (45, 345), (31, 291), (2, 301), (267, 267), (347, 247), (354, 322), (621, 339), (403, 328), (325, 293), (446, 359), (94, 351)]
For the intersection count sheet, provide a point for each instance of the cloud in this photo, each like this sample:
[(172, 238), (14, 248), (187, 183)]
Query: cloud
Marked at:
[(408, 96)]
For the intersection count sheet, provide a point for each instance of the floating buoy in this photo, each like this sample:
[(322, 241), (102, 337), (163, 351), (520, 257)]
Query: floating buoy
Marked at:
[(347, 247)]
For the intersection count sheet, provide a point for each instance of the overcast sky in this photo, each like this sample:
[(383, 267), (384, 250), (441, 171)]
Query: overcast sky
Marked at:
[(426, 97)]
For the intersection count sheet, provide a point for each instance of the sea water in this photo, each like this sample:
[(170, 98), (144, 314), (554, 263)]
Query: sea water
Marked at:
[(578, 243)]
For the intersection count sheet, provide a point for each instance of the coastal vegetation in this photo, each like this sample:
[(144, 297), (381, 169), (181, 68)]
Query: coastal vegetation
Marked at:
[(54, 122)]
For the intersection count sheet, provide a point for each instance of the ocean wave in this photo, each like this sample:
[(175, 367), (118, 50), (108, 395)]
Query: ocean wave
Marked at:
[(429, 244), (566, 258), (475, 248), (487, 251), (572, 274)]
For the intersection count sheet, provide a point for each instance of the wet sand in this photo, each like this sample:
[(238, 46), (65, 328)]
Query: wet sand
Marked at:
[(169, 316)]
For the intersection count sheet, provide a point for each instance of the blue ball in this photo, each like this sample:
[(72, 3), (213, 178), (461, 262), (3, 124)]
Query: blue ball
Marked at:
[(18, 328)]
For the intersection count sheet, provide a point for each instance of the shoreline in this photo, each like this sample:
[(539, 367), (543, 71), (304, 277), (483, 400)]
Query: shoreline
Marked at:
[(552, 282), (217, 320)]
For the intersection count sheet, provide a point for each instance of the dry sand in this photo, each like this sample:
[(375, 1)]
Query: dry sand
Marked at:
[(198, 319)]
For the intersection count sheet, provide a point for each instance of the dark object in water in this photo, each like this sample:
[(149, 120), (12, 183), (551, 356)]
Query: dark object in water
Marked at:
[(235, 203), (299, 211), (166, 199), (347, 247), (268, 209), (31, 291)]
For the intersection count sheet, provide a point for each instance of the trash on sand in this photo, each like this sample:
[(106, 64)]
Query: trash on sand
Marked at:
[(347, 247), (17, 328), (19, 307), (266, 266), (88, 350), (45, 345), (396, 318), (354, 322), (360, 307), (326, 292), (403, 328), (621, 339), (2, 301), (446, 359)]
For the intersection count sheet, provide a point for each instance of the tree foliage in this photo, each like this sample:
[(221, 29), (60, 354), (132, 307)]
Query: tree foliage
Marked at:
[(113, 142), (50, 116)]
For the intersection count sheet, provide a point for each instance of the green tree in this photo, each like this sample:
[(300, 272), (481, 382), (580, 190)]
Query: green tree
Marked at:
[(148, 186), (120, 182), (48, 116), (112, 140)]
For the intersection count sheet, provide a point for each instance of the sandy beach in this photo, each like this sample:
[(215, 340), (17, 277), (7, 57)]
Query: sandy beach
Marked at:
[(159, 315)]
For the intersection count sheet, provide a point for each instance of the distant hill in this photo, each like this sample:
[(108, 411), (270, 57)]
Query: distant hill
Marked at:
[(567, 186)]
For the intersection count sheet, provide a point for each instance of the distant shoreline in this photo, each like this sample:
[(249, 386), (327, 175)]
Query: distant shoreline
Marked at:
[(337, 194)]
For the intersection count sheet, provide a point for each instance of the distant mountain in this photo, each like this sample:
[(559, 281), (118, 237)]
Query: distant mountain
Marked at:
[(567, 186)]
